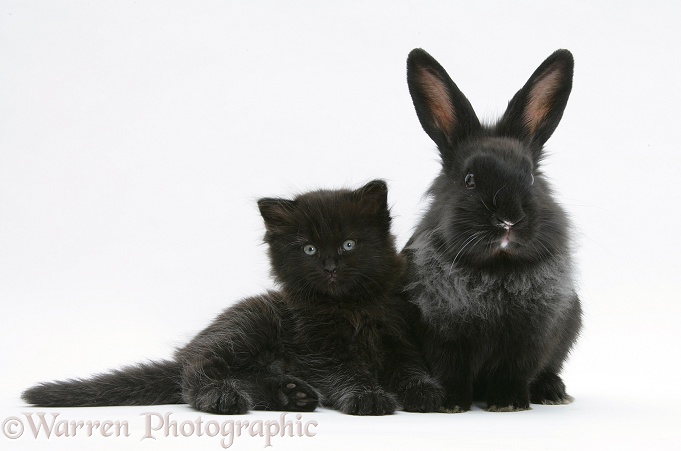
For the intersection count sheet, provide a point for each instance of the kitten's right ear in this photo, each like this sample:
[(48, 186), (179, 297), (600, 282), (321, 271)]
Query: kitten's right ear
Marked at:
[(376, 190), (276, 212), (444, 112), (374, 196)]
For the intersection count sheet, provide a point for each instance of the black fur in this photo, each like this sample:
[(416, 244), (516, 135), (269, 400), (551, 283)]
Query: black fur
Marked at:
[(335, 333), (144, 384), (490, 263)]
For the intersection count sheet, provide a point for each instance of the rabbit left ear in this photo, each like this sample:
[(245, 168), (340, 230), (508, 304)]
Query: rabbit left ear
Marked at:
[(535, 111), (444, 112)]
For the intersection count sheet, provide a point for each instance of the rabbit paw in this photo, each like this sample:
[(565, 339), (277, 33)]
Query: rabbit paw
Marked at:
[(457, 401), (508, 402), (548, 388), (508, 395)]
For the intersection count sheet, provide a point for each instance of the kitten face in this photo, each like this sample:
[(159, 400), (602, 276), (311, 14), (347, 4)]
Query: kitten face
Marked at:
[(330, 253), (329, 257), (331, 243)]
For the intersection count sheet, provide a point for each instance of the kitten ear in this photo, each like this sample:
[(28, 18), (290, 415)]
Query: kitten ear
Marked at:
[(276, 212), (535, 111), (374, 193)]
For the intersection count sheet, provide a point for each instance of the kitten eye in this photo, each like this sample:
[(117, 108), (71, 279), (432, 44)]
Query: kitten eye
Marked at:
[(470, 181), (531, 179), (309, 249), (348, 245)]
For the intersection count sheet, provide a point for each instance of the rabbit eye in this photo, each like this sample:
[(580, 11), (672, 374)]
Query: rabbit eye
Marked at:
[(309, 249), (470, 181)]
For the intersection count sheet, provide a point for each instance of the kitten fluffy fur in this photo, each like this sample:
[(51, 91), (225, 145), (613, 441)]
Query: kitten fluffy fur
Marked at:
[(490, 267), (334, 334)]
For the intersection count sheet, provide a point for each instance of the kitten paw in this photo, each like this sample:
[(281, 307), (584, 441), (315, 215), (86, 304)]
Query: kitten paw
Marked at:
[(549, 389), (221, 397), (368, 402), (297, 395), (423, 395)]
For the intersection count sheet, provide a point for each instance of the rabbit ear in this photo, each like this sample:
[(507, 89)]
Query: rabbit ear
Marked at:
[(535, 111), (445, 113)]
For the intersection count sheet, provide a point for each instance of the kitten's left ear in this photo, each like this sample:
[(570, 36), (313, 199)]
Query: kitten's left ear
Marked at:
[(276, 212), (375, 192)]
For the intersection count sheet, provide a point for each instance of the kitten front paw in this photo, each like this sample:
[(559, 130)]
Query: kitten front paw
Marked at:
[(423, 395), (548, 388), (221, 397), (368, 402), (297, 395)]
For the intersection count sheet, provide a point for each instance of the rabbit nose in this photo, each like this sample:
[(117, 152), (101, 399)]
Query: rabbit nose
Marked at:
[(506, 223)]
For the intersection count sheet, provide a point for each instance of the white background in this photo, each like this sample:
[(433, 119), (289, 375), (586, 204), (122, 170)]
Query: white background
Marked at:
[(136, 137)]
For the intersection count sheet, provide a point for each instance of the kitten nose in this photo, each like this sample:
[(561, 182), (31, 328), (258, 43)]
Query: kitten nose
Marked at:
[(330, 265)]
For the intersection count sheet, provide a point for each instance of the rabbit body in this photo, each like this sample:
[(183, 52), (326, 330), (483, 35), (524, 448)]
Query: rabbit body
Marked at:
[(490, 265)]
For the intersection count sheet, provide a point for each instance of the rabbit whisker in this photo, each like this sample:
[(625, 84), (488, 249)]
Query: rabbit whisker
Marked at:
[(467, 242), (488, 209), (494, 199)]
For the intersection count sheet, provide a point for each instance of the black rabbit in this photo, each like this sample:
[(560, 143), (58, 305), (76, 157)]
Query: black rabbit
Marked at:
[(490, 262)]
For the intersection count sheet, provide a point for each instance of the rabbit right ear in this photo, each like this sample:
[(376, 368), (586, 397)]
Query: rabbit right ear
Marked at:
[(535, 111), (444, 112)]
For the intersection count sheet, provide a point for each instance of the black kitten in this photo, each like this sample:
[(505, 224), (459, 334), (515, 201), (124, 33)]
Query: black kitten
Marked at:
[(490, 263), (334, 333)]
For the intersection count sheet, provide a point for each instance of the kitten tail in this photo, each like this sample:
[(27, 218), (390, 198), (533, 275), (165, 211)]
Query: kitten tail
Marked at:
[(150, 383)]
